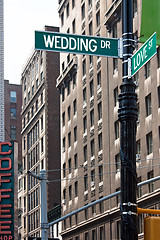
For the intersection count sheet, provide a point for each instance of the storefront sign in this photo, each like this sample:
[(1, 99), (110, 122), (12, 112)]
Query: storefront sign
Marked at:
[(6, 190)]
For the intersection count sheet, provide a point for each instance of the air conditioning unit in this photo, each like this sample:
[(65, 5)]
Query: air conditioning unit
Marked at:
[(138, 156), (63, 201), (63, 149), (98, 87), (92, 183)]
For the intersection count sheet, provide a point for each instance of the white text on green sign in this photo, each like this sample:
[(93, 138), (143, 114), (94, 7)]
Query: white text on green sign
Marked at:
[(143, 55), (79, 44)]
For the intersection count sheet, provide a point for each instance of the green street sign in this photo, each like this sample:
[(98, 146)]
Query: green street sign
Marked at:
[(142, 56), (79, 44)]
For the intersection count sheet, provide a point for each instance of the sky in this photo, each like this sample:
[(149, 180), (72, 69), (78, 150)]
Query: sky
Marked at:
[(21, 19)]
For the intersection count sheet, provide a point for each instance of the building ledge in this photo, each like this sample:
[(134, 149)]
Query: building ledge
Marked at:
[(113, 14), (67, 72)]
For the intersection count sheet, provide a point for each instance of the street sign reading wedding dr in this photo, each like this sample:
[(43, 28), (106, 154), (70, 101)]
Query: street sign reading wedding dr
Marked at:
[(142, 56), (79, 44)]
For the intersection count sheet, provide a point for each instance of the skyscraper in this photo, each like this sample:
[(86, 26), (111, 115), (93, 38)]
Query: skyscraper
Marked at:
[(1, 72), (40, 137)]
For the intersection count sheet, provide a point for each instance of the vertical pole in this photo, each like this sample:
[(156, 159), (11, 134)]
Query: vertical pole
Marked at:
[(128, 117), (44, 222)]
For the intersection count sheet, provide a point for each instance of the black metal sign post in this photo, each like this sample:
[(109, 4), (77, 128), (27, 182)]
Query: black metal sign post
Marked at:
[(128, 116)]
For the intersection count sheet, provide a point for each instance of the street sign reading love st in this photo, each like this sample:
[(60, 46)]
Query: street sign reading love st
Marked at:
[(142, 56)]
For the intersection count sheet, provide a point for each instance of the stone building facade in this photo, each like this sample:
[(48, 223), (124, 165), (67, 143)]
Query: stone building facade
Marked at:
[(90, 132)]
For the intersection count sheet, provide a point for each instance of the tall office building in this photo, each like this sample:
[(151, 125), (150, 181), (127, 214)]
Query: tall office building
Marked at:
[(90, 131), (12, 107), (40, 138), (1, 72)]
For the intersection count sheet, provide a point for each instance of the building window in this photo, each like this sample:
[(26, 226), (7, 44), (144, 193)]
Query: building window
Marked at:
[(99, 78), (76, 189), (70, 165), (91, 61), (84, 95), (13, 132), (70, 192), (41, 98), (67, 10), (134, 7), (41, 76), (63, 119), (92, 118), (73, 4), (84, 67), (64, 170), (118, 230), (149, 143), (158, 96), (91, 88), (117, 162), (85, 182), (24, 143), (13, 96), (75, 134), (75, 106), (74, 26), (74, 80), (150, 185), (83, 11), (64, 144), (100, 144), (148, 105), (101, 206), (24, 84), (148, 69), (37, 105), (90, 29), (92, 148), (98, 19), (37, 83), (159, 136), (101, 233), (93, 175), (13, 113), (68, 88), (32, 89), (116, 129), (93, 211), (85, 153), (118, 196), (139, 189), (28, 116), (69, 139), (75, 161), (99, 111), (42, 123), (115, 65), (62, 19), (86, 217), (64, 194), (63, 94), (115, 30), (115, 96), (69, 113), (42, 145), (84, 124), (89, 2), (100, 169)]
